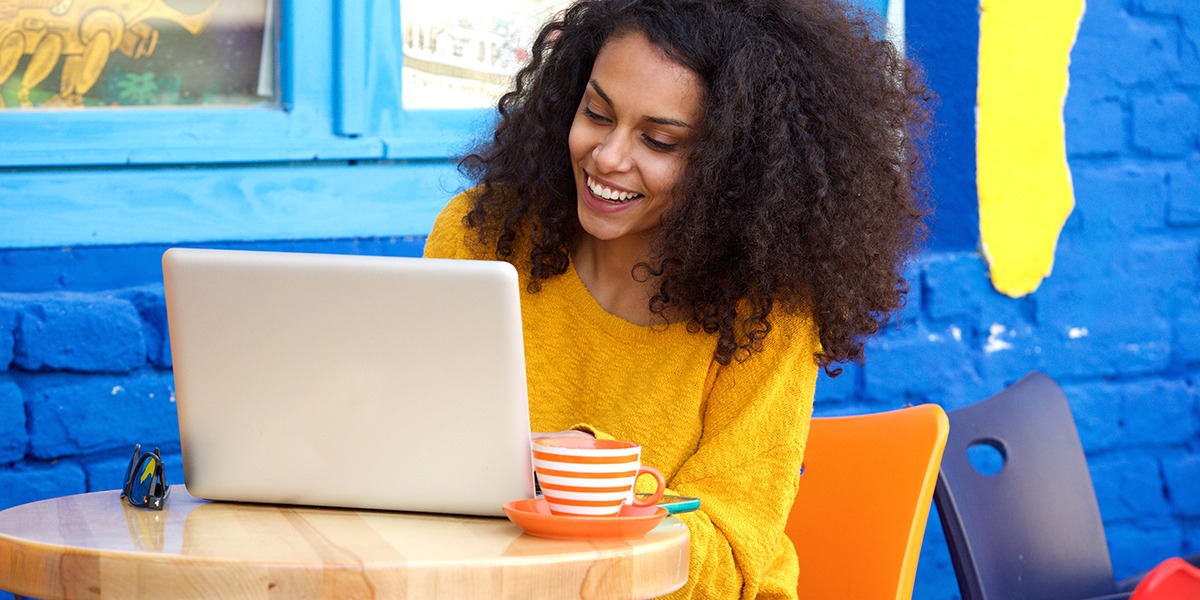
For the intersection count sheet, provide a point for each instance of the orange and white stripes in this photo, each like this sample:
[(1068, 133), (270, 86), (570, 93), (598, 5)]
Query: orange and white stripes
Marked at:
[(586, 480)]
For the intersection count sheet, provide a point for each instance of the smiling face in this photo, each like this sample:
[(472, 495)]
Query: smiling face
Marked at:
[(629, 138)]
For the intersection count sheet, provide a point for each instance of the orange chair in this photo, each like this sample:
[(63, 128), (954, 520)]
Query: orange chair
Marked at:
[(865, 491)]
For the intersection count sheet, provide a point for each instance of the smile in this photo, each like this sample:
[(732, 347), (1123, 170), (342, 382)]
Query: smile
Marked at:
[(608, 194)]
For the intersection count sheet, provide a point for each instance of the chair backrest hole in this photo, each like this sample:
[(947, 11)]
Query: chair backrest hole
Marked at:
[(987, 456)]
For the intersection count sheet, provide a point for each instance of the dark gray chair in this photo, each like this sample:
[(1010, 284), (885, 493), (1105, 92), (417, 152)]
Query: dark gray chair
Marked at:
[(1032, 529)]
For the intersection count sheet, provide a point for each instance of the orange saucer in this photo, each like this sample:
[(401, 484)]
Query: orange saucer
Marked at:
[(534, 517)]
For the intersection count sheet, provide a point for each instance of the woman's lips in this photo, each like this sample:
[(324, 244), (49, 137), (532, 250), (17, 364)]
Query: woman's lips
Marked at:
[(624, 198), (609, 193)]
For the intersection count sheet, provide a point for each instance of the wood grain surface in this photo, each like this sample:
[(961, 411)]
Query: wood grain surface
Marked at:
[(95, 546)]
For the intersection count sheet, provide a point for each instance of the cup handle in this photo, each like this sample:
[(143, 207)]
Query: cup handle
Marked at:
[(658, 493)]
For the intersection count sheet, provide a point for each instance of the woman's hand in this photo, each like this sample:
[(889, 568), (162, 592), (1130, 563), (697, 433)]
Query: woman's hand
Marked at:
[(570, 433)]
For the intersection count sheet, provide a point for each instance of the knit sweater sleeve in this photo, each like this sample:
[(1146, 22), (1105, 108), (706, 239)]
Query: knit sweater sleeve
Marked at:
[(746, 469)]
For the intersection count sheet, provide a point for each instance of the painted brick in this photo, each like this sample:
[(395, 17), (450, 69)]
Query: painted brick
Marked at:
[(8, 330), (1093, 127), (1187, 10), (1182, 473), (1147, 48), (1129, 488), (1188, 73), (1134, 549), (13, 437), (1183, 194), (915, 364), (81, 269), (1166, 125), (956, 284), (1083, 336), (1113, 201), (1096, 408), (1079, 258), (958, 288), (109, 474), (79, 332), (1157, 273), (1080, 348), (1164, 268), (24, 484), (1159, 413), (150, 302), (1187, 338), (1009, 349), (1191, 532), (37, 270), (78, 414)]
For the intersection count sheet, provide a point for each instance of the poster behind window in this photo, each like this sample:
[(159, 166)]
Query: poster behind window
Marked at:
[(137, 53)]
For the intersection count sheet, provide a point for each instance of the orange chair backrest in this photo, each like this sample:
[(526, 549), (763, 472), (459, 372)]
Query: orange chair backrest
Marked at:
[(864, 498)]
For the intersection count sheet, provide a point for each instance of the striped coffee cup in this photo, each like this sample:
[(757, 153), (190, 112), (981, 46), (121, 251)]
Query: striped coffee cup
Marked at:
[(585, 477)]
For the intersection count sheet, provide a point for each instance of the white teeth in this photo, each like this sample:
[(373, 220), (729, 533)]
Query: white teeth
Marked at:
[(609, 194)]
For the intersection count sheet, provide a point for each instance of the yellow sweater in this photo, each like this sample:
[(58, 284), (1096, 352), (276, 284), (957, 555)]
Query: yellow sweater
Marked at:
[(732, 436)]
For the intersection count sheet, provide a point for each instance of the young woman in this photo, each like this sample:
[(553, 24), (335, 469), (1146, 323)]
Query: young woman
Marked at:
[(707, 201)]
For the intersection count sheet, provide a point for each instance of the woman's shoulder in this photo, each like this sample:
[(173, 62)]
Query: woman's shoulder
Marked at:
[(451, 237)]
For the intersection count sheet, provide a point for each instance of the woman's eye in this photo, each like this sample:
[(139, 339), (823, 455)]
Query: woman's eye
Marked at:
[(589, 113), (657, 145)]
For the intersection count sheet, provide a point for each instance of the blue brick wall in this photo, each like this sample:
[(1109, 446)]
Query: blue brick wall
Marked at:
[(1118, 322), (85, 363), (85, 367)]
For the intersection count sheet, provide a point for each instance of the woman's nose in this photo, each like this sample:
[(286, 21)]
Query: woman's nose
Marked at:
[(613, 153)]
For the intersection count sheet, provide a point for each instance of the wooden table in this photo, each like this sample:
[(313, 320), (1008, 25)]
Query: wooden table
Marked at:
[(95, 546)]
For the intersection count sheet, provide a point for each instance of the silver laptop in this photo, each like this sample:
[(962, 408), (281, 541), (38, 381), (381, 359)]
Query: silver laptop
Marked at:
[(349, 381)]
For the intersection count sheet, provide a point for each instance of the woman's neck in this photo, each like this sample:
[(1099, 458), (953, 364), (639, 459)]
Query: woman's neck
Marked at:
[(607, 271)]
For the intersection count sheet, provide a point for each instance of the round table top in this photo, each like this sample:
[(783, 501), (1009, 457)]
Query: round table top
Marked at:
[(95, 545)]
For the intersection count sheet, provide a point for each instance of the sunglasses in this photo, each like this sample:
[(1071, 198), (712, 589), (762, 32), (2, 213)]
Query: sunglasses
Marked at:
[(145, 484)]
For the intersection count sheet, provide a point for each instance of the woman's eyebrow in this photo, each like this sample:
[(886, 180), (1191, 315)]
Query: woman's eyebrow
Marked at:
[(657, 120), (600, 91)]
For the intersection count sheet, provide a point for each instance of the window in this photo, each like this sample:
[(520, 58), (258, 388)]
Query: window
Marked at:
[(79, 54), (464, 53)]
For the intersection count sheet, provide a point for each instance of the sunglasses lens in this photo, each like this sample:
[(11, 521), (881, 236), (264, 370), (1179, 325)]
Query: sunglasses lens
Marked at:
[(141, 484), (133, 465)]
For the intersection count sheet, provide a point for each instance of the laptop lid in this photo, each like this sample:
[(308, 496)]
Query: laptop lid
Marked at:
[(350, 381)]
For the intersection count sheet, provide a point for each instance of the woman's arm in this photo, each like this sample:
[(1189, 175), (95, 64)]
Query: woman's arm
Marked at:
[(746, 468)]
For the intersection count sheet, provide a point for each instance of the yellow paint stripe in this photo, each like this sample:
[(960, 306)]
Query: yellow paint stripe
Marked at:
[(1025, 191)]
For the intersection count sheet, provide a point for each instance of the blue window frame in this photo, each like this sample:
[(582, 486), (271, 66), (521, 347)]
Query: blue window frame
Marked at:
[(338, 157)]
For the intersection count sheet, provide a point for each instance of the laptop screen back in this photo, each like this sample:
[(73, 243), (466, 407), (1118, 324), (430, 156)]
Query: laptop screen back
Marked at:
[(352, 381)]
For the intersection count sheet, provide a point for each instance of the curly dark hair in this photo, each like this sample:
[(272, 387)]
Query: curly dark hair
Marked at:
[(803, 189)]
